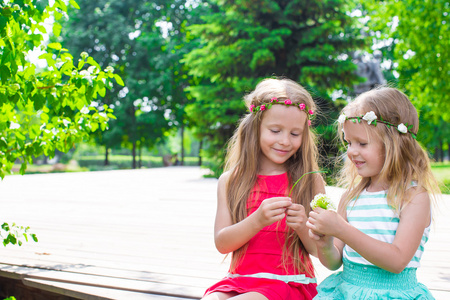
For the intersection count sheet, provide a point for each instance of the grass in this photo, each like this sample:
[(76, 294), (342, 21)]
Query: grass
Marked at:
[(95, 163), (442, 173)]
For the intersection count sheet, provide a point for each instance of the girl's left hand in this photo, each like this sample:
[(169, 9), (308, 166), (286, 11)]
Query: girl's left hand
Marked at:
[(324, 222), (296, 216)]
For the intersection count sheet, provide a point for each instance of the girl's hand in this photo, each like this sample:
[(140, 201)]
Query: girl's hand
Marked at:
[(322, 241), (272, 210), (324, 222), (296, 217)]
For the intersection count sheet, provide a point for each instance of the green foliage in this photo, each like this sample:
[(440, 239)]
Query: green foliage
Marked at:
[(417, 36), (44, 110), (13, 234), (442, 173), (244, 41), (94, 163)]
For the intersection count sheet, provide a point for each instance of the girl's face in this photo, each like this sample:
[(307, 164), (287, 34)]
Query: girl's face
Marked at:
[(281, 133), (366, 151)]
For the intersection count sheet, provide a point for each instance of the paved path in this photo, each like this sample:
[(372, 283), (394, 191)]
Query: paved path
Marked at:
[(140, 234)]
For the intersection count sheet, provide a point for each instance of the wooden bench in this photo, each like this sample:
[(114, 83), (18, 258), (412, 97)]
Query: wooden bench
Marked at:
[(138, 234)]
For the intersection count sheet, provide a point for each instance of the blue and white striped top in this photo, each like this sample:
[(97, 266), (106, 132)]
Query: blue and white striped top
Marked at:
[(372, 215)]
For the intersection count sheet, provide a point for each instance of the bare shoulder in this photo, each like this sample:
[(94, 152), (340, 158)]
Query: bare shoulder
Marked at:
[(223, 179), (319, 184), (222, 186), (418, 196), (418, 206)]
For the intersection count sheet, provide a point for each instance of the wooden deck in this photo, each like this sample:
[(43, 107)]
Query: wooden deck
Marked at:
[(140, 234)]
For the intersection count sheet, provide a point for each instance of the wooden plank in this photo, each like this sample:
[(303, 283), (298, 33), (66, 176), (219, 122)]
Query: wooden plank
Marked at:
[(142, 232)]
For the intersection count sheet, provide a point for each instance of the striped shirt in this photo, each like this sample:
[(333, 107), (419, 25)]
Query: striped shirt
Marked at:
[(371, 214)]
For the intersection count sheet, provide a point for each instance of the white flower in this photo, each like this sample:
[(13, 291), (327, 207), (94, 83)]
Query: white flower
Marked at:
[(84, 110), (342, 119), (92, 70), (14, 125), (370, 117), (84, 55), (402, 128)]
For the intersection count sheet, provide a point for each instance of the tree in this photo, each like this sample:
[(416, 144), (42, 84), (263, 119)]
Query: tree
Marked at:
[(42, 111), (245, 41), (417, 35), (413, 37), (124, 34)]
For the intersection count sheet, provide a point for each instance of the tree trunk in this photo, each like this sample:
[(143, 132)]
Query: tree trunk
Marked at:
[(441, 146), (182, 144), (448, 154), (106, 156), (199, 153), (133, 153), (140, 156)]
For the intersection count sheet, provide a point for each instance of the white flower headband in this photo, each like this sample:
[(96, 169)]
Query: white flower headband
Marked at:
[(371, 119)]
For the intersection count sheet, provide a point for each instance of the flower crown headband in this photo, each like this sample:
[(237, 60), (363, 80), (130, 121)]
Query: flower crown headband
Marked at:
[(372, 119), (302, 106)]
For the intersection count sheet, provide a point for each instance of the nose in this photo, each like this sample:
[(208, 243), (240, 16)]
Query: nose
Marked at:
[(285, 139), (351, 151)]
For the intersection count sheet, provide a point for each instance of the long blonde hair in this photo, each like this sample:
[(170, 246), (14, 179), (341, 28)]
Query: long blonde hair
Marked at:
[(243, 155), (405, 160)]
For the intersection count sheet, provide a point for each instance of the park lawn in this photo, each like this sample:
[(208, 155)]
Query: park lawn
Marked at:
[(442, 173), (440, 170)]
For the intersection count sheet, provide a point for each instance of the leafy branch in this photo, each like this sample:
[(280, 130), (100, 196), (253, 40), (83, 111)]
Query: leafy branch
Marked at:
[(12, 234)]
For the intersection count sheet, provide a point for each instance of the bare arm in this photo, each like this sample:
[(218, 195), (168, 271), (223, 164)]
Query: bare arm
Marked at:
[(229, 237), (329, 248), (414, 218)]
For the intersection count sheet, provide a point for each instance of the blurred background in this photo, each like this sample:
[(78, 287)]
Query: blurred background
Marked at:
[(181, 69)]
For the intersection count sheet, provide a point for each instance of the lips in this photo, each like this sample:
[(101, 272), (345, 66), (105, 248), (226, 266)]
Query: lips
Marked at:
[(282, 152), (358, 163)]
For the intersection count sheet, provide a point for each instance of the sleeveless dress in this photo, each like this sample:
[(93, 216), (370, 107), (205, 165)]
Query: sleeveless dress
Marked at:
[(260, 269), (360, 279)]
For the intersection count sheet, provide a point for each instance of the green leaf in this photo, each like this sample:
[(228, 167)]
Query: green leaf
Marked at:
[(57, 31), (5, 74), (74, 4), (119, 80), (56, 46)]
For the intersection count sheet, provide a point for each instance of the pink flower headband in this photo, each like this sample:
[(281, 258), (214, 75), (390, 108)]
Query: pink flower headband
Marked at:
[(302, 106)]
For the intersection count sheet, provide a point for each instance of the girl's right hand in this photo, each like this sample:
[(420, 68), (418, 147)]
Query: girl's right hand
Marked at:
[(272, 210)]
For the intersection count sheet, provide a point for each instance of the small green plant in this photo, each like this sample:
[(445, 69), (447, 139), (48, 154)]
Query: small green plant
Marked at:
[(12, 234)]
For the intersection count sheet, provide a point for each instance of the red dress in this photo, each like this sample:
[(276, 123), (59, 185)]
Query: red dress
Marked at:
[(262, 260)]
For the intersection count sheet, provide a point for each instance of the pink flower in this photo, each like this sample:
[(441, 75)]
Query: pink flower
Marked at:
[(263, 107), (302, 106), (274, 99), (287, 101), (252, 107), (309, 122), (310, 112)]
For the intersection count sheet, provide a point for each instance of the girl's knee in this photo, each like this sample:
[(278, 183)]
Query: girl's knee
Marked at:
[(219, 296)]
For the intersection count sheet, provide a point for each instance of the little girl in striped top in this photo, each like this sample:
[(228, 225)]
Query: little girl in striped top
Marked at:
[(383, 219)]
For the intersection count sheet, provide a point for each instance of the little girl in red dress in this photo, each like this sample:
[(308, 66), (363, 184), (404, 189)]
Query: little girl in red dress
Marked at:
[(261, 215)]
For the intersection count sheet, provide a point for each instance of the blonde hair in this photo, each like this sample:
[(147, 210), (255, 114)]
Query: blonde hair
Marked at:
[(405, 160), (244, 153)]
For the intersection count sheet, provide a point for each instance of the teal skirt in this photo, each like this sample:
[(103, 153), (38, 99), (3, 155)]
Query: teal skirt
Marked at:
[(358, 281)]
